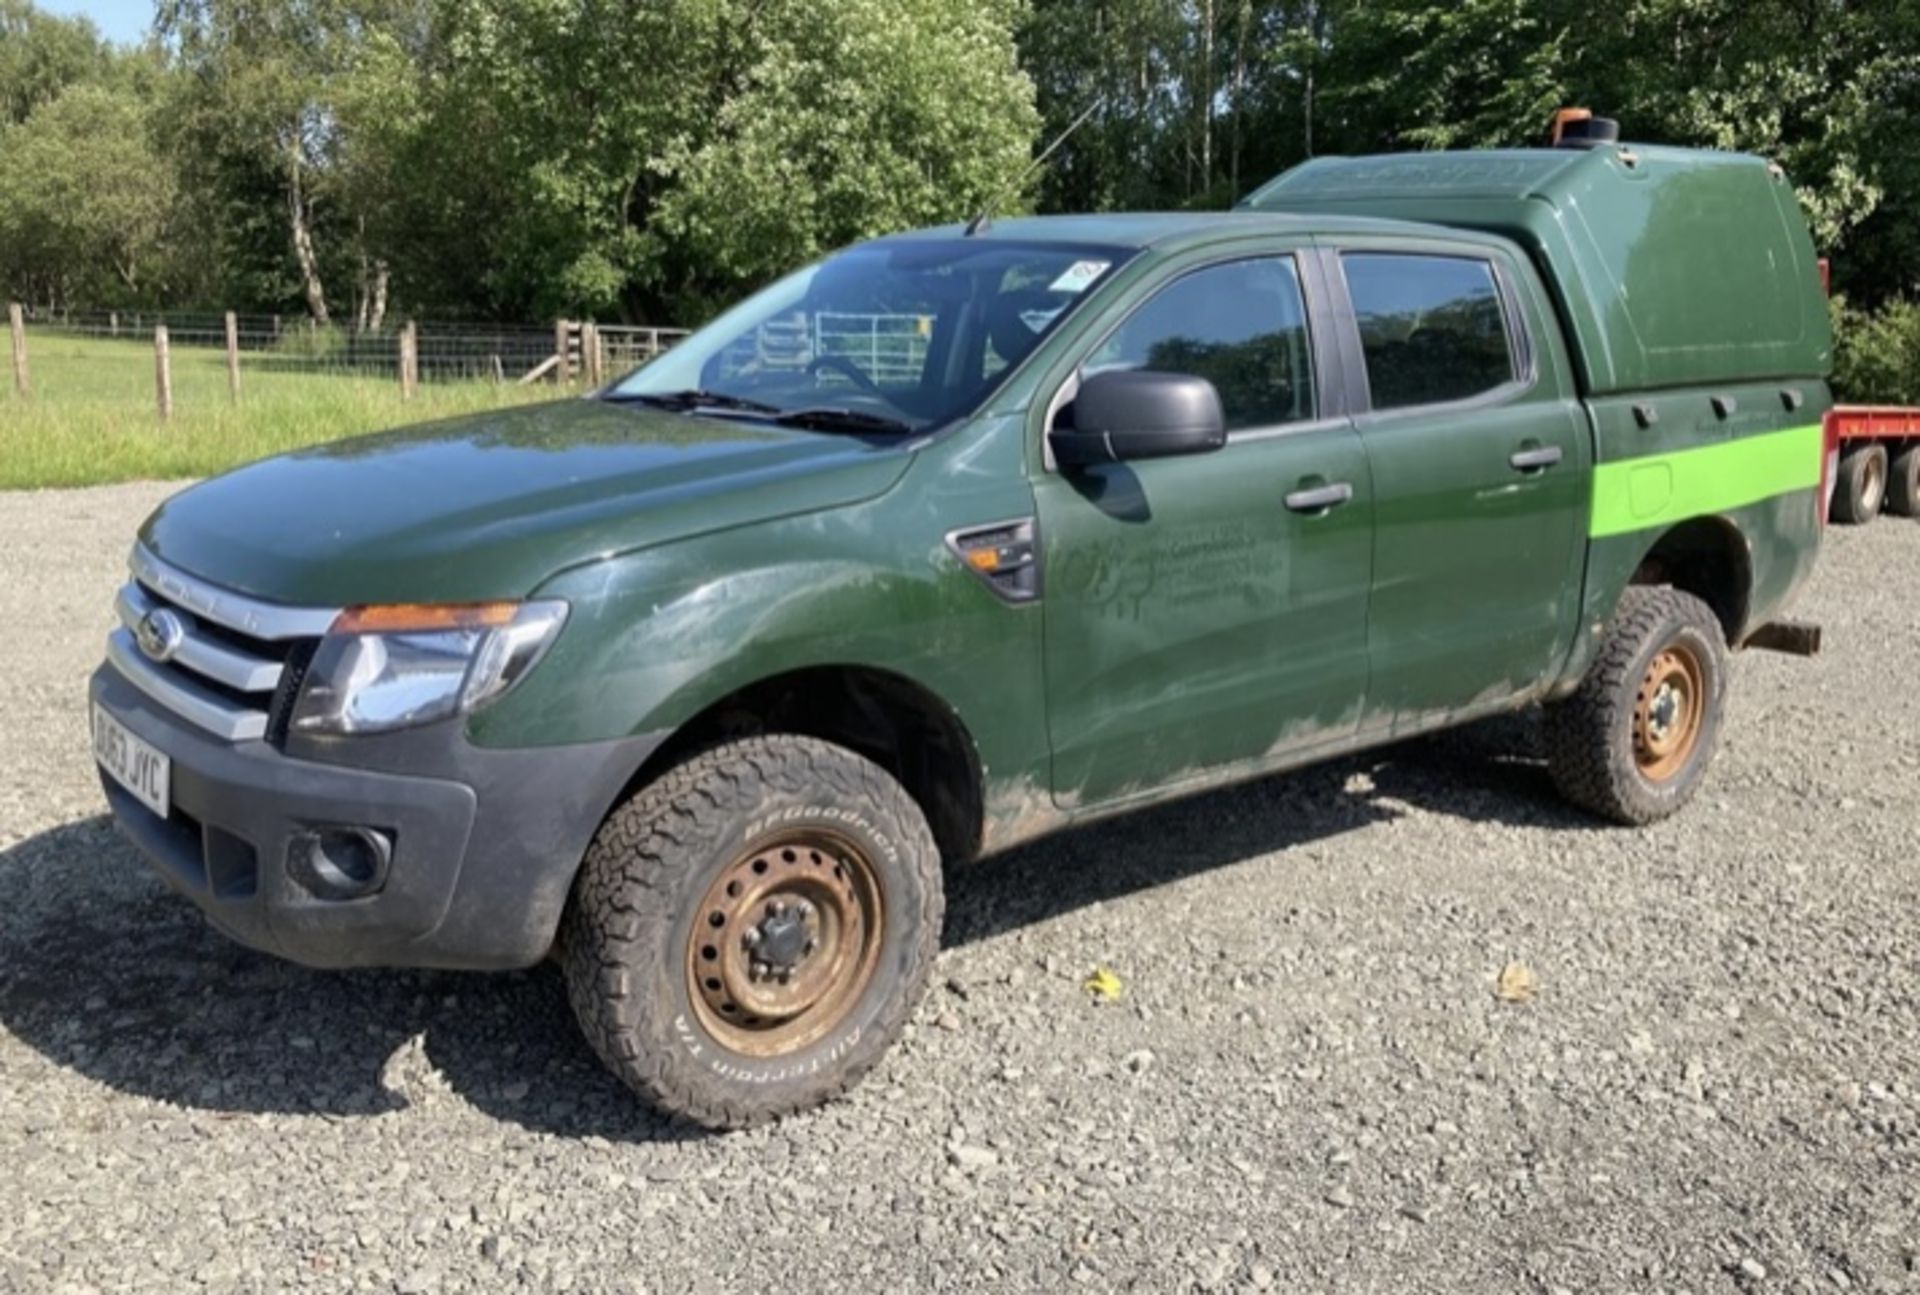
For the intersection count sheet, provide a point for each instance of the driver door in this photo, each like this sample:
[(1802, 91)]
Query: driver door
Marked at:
[(1203, 613)]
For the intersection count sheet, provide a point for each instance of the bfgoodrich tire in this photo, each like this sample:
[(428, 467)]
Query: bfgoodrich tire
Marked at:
[(751, 932), (1862, 486), (1633, 742)]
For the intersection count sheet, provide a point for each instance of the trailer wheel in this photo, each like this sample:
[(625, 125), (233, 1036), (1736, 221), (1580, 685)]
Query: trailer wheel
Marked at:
[(1862, 486), (1634, 740), (750, 933), (1903, 483)]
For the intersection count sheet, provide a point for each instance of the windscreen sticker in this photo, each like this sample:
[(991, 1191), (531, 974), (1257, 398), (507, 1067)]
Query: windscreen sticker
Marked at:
[(1079, 276)]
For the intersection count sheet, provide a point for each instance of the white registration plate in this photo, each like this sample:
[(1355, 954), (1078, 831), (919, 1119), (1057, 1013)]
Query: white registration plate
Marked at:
[(138, 766)]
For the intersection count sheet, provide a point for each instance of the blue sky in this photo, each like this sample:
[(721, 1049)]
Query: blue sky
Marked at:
[(121, 20)]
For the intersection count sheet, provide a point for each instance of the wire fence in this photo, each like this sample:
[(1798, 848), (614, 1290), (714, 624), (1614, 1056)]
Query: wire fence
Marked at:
[(407, 353)]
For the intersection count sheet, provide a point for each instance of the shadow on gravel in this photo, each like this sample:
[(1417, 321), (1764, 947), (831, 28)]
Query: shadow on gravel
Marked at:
[(1488, 772), (107, 973)]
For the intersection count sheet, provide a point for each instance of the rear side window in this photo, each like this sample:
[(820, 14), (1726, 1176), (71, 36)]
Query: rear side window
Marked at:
[(1242, 326), (1431, 326)]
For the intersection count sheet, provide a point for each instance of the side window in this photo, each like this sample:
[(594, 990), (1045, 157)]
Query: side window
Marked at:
[(1242, 326), (1431, 327)]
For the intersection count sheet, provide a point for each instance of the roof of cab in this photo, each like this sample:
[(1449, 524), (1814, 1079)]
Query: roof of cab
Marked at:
[(1171, 229)]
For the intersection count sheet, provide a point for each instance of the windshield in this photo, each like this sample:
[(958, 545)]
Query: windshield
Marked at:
[(912, 333)]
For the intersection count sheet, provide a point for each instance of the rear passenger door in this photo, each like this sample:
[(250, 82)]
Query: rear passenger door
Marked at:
[(1481, 469)]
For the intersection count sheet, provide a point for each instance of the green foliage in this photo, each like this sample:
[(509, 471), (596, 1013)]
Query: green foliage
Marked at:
[(1138, 63), (311, 342), (786, 127), (526, 158), (85, 199), (40, 56), (1877, 356), (851, 120), (1472, 74), (1202, 101)]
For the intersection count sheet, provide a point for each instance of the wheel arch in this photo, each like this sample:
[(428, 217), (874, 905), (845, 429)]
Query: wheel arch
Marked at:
[(898, 723), (1710, 558)]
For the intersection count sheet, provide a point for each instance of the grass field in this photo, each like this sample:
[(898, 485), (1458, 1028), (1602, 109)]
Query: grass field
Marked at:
[(92, 419)]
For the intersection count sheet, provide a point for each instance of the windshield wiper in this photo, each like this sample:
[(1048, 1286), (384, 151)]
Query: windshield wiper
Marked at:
[(841, 420), (820, 420), (695, 399)]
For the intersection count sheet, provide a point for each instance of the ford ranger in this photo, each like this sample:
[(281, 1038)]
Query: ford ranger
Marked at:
[(963, 536)]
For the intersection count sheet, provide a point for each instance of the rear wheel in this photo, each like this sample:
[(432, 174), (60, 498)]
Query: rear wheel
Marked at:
[(1634, 741), (1903, 482), (750, 933), (1862, 486)]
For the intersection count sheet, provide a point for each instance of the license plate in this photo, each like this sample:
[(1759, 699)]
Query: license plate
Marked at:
[(138, 766)]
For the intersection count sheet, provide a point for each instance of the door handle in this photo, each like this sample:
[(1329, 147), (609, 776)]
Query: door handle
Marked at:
[(1538, 459), (1320, 499)]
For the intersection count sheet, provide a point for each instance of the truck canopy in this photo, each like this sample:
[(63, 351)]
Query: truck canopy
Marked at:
[(1669, 267)]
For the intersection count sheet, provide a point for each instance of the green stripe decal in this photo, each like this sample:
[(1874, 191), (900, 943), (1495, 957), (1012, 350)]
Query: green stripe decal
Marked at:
[(1659, 489)]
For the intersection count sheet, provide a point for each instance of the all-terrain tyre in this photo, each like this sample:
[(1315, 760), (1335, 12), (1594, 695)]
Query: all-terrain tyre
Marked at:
[(749, 933), (1903, 483), (1862, 486), (1633, 742)]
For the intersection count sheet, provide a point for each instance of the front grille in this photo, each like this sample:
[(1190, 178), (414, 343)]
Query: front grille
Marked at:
[(213, 657)]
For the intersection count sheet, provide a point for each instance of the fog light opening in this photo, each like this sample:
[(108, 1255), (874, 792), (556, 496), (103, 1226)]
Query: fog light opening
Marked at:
[(342, 862)]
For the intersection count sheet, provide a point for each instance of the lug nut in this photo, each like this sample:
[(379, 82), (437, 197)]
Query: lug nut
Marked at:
[(776, 908), (760, 970), (752, 937)]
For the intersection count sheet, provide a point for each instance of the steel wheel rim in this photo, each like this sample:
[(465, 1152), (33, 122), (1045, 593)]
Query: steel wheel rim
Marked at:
[(1668, 712), (785, 942)]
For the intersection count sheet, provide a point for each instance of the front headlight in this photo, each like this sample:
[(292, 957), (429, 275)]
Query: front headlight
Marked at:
[(385, 668)]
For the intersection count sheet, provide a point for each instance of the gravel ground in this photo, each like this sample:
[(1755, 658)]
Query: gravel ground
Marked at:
[(1308, 1084)]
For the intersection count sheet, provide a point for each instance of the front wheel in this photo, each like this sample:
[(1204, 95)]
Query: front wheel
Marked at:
[(1634, 741), (750, 933)]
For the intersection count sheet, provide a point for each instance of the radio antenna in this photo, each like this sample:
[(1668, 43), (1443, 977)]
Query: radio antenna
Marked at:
[(985, 219)]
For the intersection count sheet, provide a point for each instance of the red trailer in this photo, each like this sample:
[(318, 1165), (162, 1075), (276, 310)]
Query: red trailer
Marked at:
[(1877, 464)]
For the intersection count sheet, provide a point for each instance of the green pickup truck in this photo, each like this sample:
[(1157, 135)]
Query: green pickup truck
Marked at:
[(963, 536)]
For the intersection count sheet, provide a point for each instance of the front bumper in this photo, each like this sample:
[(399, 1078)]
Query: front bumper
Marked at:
[(485, 842)]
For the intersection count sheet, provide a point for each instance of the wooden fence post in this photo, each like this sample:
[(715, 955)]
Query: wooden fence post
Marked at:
[(409, 361), (590, 358), (560, 330), (113, 323), (233, 357), (499, 371), (18, 324), (162, 372)]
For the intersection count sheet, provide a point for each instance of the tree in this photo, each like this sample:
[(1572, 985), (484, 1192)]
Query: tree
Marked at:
[(41, 55), (261, 92), (85, 200), (524, 158), (847, 121), (585, 179), (1830, 90)]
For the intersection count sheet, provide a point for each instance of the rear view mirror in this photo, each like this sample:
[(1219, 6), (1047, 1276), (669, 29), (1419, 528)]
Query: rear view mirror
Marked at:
[(1128, 414)]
